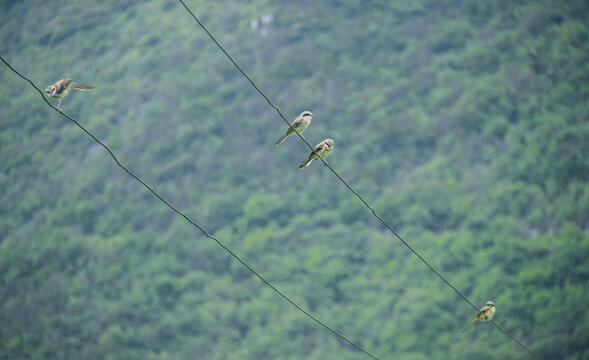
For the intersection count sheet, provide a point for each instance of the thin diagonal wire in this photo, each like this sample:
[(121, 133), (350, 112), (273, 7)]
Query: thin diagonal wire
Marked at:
[(516, 340), (345, 182), (341, 336)]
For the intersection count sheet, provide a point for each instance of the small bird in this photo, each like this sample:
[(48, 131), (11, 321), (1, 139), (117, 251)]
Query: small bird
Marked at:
[(61, 88), (485, 313), (324, 148), (300, 124)]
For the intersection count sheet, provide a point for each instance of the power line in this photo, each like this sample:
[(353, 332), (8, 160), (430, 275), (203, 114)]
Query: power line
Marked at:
[(347, 185), (190, 220)]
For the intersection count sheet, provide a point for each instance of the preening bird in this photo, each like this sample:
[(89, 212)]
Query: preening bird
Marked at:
[(485, 313), (300, 124), (324, 148), (61, 88)]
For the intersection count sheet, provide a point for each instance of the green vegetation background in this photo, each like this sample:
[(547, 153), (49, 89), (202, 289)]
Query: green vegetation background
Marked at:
[(464, 122)]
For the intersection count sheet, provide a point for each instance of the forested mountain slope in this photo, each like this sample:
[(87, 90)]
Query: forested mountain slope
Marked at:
[(465, 123)]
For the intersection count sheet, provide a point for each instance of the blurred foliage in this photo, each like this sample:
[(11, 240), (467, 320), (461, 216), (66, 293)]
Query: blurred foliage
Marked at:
[(465, 123)]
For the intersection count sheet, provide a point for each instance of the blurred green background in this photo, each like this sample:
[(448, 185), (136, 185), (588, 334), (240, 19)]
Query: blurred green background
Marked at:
[(465, 123)]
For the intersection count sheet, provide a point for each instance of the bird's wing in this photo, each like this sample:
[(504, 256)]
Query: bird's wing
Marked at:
[(61, 85), (67, 82), (297, 122), (482, 315)]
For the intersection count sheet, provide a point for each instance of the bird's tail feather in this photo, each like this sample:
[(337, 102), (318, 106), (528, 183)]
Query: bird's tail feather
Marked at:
[(469, 325), (82, 87), (281, 139), (306, 163)]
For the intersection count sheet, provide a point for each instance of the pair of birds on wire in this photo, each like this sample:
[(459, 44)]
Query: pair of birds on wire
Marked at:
[(300, 124)]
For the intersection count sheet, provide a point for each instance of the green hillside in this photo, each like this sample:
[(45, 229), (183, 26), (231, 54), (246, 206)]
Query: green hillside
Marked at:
[(465, 123)]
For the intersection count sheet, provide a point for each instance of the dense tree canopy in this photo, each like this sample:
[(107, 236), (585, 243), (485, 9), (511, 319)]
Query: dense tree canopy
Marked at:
[(464, 123)]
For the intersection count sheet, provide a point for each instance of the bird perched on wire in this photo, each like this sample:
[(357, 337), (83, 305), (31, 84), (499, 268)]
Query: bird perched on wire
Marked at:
[(61, 88), (300, 124), (485, 313), (324, 148)]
